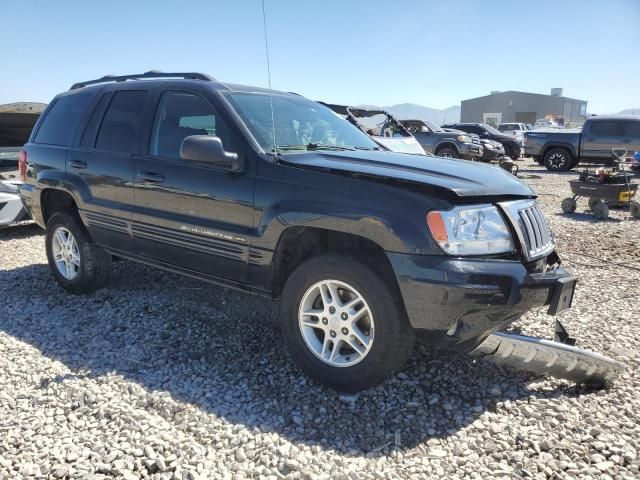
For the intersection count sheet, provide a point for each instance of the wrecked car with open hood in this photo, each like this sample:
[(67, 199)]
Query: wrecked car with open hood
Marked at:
[(381, 126)]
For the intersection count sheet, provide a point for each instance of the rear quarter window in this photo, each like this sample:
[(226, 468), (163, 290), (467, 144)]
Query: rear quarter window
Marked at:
[(62, 119)]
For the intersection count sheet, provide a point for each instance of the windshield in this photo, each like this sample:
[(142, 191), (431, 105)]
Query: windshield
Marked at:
[(433, 127), (490, 129), (300, 123)]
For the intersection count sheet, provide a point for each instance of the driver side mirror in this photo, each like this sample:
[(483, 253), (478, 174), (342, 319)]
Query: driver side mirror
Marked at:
[(209, 149), (424, 129)]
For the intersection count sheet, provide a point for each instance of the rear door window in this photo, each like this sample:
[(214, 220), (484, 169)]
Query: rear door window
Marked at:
[(471, 129), (605, 128), (89, 135), (62, 119), (121, 125)]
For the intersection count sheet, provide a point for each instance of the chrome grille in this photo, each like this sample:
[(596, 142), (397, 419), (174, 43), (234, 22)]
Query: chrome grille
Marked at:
[(531, 228)]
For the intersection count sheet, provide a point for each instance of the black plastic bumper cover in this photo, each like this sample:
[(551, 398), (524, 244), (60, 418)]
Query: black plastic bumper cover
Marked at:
[(455, 303)]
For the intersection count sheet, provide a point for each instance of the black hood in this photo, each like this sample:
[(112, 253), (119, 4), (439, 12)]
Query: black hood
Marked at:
[(462, 177)]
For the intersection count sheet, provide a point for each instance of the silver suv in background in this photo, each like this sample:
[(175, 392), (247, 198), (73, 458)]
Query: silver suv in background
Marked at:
[(442, 143)]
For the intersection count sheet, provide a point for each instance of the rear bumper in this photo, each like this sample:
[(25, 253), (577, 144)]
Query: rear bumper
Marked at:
[(455, 303), (30, 196)]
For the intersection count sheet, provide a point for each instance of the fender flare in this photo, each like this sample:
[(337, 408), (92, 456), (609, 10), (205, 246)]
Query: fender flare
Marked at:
[(349, 220), (446, 142)]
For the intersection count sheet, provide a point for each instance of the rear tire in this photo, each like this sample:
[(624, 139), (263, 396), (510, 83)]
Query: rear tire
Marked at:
[(76, 262), (312, 338), (558, 160)]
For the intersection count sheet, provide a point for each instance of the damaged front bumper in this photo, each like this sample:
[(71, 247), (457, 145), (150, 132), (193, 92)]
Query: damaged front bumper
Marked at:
[(455, 303), (545, 357)]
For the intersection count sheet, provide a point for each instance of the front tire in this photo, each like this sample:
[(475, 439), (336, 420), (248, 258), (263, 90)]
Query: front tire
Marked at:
[(558, 160), (342, 324), (447, 152), (76, 262)]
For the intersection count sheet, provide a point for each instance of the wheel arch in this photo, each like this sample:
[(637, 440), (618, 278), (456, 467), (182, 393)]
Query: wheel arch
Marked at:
[(299, 243), (54, 200), (564, 146), (446, 144)]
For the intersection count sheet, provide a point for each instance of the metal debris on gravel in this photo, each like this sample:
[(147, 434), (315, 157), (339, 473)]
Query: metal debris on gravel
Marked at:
[(159, 376)]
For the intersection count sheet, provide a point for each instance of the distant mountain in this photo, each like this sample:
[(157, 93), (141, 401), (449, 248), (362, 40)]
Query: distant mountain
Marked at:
[(404, 111), (23, 107), (630, 111)]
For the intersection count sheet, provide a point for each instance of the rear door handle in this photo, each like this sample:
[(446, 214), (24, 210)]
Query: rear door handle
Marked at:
[(78, 164), (151, 177)]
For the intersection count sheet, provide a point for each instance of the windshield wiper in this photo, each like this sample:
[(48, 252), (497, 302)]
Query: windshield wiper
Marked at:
[(314, 146), (367, 148)]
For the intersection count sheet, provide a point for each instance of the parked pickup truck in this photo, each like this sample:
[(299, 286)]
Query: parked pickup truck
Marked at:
[(362, 249), (442, 143), (560, 150)]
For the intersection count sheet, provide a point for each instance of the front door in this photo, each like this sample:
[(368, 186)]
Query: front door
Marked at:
[(192, 215), (631, 136)]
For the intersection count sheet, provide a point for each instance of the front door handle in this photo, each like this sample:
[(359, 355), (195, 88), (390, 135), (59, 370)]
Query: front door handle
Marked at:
[(626, 141), (151, 177), (78, 164)]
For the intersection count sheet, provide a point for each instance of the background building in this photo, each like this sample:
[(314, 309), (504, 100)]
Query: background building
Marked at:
[(523, 107)]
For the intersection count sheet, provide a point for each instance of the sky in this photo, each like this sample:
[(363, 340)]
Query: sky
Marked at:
[(432, 53)]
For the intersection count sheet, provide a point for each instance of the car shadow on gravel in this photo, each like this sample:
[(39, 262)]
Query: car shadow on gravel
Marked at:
[(20, 232), (217, 350), (586, 217)]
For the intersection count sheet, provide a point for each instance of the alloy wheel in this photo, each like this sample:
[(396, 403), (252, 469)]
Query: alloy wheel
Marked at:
[(336, 323), (557, 160), (66, 253)]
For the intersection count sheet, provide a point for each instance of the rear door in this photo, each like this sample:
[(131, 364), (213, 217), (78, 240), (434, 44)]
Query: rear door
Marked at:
[(192, 215), (599, 137), (103, 165)]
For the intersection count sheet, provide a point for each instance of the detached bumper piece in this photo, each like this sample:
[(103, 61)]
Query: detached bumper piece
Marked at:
[(546, 357), (12, 212)]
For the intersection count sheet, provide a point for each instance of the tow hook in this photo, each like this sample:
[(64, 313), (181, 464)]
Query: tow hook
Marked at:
[(559, 358)]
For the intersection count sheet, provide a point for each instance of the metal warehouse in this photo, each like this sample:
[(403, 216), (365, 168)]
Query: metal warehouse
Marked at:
[(523, 107)]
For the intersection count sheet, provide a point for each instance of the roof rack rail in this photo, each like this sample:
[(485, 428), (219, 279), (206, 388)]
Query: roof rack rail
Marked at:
[(149, 74)]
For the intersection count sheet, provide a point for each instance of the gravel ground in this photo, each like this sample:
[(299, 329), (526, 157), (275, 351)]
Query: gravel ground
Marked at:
[(159, 376)]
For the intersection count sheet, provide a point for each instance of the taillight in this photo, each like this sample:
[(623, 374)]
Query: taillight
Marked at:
[(22, 165)]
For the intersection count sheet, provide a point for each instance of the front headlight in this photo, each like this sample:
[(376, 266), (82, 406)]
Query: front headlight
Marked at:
[(464, 138), (470, 230)]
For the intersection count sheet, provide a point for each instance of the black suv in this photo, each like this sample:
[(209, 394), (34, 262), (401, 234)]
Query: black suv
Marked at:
[(511, 144), (361, 248)]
